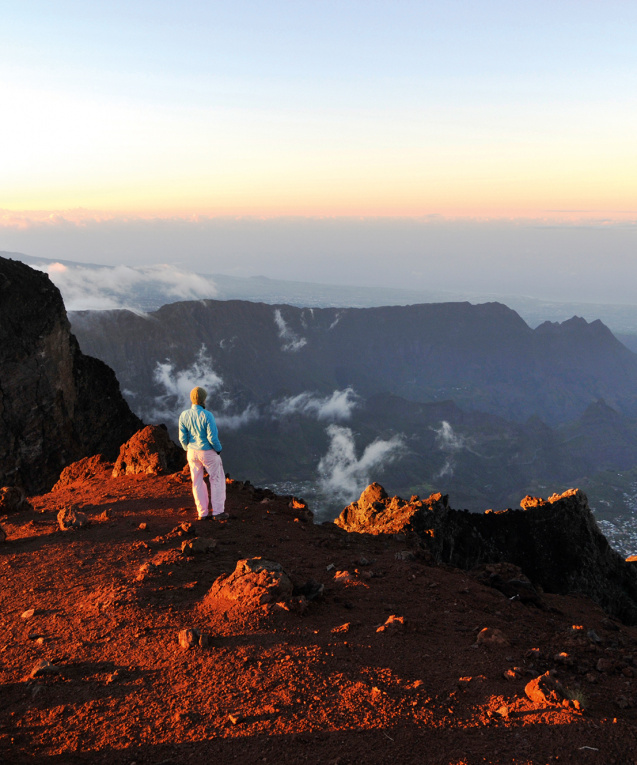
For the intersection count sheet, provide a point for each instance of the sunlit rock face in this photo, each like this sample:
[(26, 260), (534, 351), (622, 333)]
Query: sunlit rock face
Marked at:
[(555, 542), (376, 513), (56, 404), (149, 451)]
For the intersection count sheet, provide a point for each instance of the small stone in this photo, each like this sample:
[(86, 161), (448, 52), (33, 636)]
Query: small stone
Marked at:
[(342, 577), (628, 672), (342, 628), (492, 637), (564, 658), (143, 526), (27, 614), (70, 517), (235, 719), (44, 667), (298, 604), (623, 702), (197, 545), (188, 638), (503, 711), (392, 624), (605, 665), (405, 555), (330, 567), (545, 689), (114, 677), (593, 636), (145, 570)]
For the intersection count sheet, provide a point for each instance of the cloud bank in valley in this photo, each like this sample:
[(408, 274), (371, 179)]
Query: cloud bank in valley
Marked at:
[(102, 288), (549, 258), (343, 475)]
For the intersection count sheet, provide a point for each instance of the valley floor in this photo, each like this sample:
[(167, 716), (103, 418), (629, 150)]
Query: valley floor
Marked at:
[(311, 682)]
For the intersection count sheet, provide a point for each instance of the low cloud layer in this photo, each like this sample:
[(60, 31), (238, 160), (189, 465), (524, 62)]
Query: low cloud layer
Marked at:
[(338, 406), (548, 258), (141, 288), (290, 340), (343, 475)]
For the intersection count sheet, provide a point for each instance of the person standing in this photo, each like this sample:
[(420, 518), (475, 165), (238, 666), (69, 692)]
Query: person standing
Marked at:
[(198, 435)]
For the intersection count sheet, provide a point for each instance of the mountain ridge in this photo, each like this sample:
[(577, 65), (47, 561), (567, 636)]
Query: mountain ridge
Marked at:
[(484, 357)]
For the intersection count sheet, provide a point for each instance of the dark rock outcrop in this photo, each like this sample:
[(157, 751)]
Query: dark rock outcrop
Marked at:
[(556, 542), (13, 500), (150, 450), (56, 404)]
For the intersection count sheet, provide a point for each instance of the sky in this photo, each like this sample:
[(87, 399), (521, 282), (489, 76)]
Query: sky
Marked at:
[(373, 141)]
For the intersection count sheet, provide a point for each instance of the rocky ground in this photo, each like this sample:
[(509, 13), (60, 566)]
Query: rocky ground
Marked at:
[(388, 662)]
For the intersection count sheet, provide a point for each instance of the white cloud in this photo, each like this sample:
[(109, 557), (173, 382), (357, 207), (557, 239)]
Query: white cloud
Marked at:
[(291, 341), (125, 287), (338, 406), (179, 383), (343, 476), (230, 421), (450, 443)]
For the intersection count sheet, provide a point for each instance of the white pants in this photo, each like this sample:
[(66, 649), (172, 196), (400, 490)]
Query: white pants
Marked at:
[(211, 461)]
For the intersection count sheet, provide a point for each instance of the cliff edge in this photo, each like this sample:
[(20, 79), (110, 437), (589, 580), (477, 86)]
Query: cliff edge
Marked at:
[(56, 404), (556, 542)]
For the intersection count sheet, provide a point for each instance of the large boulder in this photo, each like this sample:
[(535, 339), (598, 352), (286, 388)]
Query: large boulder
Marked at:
[(57, 404), (150, 450), (254, 582), (556, 542), (84, 470)]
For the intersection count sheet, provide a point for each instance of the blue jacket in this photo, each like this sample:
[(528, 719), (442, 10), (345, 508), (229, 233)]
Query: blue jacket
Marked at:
[(198, 429)]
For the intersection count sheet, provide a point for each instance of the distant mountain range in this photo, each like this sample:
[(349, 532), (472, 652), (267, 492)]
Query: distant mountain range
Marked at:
[(150, 293)]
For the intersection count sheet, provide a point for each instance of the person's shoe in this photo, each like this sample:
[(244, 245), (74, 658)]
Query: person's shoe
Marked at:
[(203, 516), (220, 516)]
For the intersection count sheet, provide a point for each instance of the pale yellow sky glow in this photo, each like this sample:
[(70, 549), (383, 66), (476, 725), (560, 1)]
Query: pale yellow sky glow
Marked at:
[(481, 159), (487, 144)]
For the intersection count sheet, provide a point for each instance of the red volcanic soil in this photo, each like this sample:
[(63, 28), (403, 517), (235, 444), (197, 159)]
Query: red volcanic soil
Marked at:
[(283, 683)]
